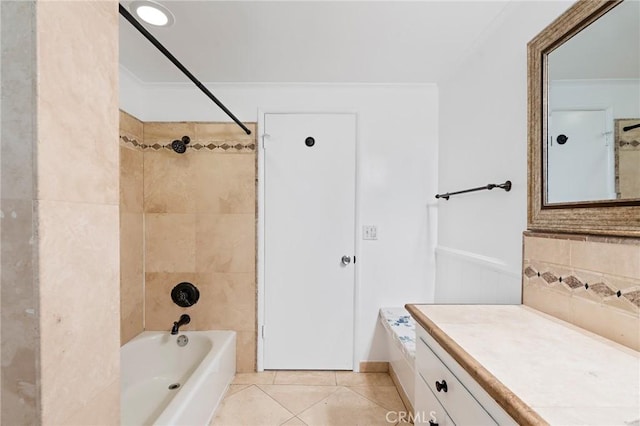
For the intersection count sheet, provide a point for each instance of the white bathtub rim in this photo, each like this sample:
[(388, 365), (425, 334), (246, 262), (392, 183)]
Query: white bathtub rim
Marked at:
[(221, 339), (207, 366)]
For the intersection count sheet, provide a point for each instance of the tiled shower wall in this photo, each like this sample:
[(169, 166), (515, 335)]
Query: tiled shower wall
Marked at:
[(199, 226), (19, 295), (131, 231), (60, 349), (591, 282)]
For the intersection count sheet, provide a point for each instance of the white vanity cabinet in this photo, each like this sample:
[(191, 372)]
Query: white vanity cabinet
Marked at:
[(428, 410), (445, 394)]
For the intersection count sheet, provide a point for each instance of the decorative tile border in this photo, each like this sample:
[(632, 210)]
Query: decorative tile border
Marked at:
[(634, 143), (573, 283), (213, 146)]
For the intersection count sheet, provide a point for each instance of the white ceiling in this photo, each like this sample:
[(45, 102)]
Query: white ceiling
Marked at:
[(309, 41)]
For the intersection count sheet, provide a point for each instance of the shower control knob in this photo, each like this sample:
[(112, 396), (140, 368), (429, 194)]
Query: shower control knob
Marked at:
[(346, 260)]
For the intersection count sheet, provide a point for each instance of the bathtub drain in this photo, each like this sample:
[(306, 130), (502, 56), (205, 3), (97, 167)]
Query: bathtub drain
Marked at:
[(173, 386)]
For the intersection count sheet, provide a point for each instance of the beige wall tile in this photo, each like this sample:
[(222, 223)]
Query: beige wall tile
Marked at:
[(79, 304), (19, 323), (623, 304), (131, 275), (131, 126), (78, 102), (102, 410), (20, 331), (616, 265), (610, 323), (170, 242), (18, 60), (131, 195), (220, 295), (75, 73), (225, 243), (17, 157), (160, 311), (547, 301), (132, 324), (209, 132), (19, 391), (216, 252), (550, 250), (624, 329), (225, 182), (229, 302), (246, 351), (586, 294), (18, 57), (621, 283), (164, 133), (615, 259), (169, 182), (131, 232)]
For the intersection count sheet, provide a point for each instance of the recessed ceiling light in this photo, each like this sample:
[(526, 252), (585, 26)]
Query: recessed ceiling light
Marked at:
[(152, 13)]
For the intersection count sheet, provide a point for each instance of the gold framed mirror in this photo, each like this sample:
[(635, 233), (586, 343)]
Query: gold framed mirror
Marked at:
[(557, 67)]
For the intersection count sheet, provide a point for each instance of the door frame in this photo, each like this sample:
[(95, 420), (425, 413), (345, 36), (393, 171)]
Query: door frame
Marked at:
[(260, 255)]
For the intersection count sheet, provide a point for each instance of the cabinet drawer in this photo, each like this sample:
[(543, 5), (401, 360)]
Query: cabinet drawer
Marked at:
[(428, 410), (458, 402)]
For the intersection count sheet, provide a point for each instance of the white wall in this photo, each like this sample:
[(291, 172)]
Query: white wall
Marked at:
[(397, 172), (590, 172), (483, 139), (622, 96)]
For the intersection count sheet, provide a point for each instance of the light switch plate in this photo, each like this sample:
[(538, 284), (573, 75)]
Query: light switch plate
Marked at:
[(369, 232)]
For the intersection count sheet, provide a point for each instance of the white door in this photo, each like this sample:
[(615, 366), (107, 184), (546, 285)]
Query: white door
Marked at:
[(309, 225), (579, 157)]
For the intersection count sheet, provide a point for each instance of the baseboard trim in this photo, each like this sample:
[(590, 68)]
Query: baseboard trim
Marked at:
[(374, 367)]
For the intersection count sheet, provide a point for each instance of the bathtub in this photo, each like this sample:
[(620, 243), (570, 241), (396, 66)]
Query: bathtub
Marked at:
[(165, 384)]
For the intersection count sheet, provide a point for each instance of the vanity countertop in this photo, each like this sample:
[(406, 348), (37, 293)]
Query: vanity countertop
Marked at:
[(536, 366)]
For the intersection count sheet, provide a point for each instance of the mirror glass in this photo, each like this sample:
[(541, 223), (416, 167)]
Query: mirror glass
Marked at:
[(592, 147)]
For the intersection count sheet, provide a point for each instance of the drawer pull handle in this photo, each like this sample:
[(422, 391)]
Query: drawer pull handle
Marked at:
[(441, 386), (432, 423)]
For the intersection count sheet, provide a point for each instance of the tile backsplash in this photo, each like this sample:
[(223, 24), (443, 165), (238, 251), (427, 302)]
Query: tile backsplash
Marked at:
[(198, 213), (591, 282)]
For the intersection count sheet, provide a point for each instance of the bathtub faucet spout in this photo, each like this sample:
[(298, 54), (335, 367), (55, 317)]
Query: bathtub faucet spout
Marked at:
[(184, 319)]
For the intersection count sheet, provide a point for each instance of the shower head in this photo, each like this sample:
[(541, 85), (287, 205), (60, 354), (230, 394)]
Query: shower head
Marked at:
[(180, 145)]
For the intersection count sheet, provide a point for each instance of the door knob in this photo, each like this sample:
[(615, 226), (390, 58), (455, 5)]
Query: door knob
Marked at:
[(346, 260)]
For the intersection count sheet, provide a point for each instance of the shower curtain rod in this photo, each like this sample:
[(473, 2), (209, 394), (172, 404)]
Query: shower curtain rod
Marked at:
[(124, 12)]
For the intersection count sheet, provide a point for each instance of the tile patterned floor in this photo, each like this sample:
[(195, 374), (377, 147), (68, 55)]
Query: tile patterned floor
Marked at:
[(322, 398)]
